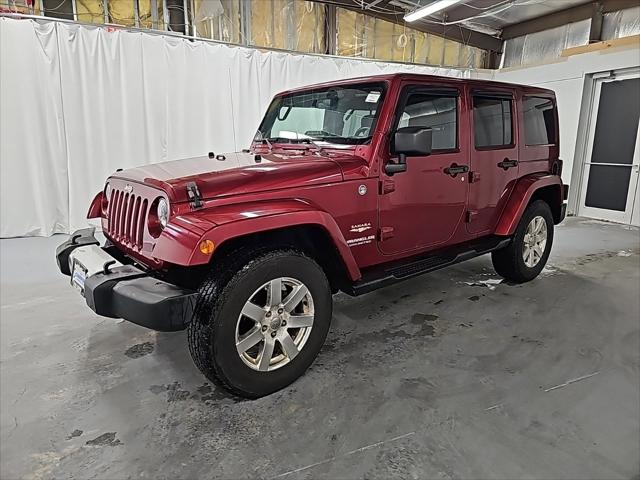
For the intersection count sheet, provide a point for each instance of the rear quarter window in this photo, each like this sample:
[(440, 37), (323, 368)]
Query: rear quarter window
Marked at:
[(539, 121)]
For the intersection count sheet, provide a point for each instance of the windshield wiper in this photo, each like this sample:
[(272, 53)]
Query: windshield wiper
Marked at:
[(280, 140), (312, 141), (295, 141), (344, 140)]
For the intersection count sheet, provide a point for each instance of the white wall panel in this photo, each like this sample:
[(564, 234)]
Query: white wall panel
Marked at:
[(567, 77), (79, 102), (33, 151)]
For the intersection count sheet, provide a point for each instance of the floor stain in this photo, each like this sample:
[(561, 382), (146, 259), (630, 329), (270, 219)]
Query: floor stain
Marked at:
[(416, 388), (139, 350), (419, 318), (207, 393), (474, 298), (204, 393), (105, 440), (157, 389), (75, 433), (175, 393), (533, 341), (422, 319)]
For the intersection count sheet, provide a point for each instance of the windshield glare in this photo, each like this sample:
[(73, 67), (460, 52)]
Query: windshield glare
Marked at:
[(337, 114)]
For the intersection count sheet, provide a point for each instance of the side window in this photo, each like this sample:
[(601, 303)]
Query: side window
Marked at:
[(492, 122), (438, 112), (539, 121)]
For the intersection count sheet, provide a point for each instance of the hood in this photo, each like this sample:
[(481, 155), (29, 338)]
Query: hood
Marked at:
[(240, 172)]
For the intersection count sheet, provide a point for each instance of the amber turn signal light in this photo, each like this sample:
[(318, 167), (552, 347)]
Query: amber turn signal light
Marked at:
[(206, 247)]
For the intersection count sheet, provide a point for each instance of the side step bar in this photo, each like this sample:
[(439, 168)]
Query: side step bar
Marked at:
[(399, 271)]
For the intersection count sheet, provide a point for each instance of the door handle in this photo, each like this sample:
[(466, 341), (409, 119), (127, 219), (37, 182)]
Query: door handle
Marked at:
[(506, 164), (455, 169)]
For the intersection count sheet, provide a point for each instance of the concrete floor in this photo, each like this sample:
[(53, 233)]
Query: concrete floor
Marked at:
[(433, 378)]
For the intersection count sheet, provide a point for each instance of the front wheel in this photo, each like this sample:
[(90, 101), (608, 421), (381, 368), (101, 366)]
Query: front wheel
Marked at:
[(527, 254), (258, 331)]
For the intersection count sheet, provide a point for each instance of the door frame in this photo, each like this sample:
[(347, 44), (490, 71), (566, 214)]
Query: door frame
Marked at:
[(584, 143)]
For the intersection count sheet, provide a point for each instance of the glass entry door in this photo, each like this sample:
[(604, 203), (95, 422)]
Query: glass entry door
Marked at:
[(610, 180)]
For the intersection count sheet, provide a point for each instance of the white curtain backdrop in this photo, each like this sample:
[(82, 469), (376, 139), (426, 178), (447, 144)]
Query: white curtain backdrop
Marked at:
[(78, 102)]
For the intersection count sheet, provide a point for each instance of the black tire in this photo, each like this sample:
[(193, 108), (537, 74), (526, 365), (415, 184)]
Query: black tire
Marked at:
[(211, 334), (509, 262)]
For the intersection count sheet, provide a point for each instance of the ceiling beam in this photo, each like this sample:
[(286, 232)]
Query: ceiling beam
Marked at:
[(597, 19), (563, 17), (452, 32)]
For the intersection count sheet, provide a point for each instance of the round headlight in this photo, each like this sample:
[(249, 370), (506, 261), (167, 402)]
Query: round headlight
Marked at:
[(105, 197), (163, 212)]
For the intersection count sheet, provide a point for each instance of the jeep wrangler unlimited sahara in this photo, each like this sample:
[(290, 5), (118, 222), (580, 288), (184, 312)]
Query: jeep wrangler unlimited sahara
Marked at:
[(348, 186)]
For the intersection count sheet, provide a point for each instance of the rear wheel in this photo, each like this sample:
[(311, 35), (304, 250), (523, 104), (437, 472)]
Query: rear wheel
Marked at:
[(527, 254), (258, 330)]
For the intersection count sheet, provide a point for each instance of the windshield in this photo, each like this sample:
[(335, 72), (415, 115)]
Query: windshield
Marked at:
[(338, 114)]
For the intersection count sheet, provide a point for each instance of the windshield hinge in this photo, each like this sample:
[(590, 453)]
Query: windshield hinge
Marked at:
[(195, 199)]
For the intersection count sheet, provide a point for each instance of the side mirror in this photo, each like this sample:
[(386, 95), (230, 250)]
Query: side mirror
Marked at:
[(412, 141), (409, 141)]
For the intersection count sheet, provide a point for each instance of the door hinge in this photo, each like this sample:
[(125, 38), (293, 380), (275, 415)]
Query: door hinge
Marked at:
[(471, 214), (474, 177), (386, 233), (387, 186)]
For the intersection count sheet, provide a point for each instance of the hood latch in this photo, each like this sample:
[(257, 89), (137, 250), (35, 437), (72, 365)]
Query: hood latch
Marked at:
[(195, 199)]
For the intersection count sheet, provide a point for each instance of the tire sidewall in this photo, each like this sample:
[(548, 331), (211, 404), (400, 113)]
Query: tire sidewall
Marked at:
[(536, 209), (234, 296)]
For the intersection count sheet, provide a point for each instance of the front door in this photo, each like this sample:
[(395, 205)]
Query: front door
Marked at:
[(494, 158), (610, 176), (423, 207)]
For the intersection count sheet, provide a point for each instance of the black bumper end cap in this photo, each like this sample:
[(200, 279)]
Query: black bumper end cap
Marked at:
[(79, 238), (129, 293)]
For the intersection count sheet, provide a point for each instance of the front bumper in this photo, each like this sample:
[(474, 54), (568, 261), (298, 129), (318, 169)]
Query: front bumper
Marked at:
[(126, 291)]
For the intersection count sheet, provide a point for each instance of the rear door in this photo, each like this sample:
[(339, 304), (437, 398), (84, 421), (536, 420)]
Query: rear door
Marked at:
[(494, 157)]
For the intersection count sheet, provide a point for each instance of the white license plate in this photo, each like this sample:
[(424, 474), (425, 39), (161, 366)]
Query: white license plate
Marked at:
[(86, 261), (78, 276)]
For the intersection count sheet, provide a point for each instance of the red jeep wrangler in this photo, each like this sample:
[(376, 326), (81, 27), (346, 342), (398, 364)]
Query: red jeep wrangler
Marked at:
[(351, 186)]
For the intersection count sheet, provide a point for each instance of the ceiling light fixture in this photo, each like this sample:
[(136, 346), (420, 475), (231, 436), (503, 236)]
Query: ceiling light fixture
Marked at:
[(429, 9)]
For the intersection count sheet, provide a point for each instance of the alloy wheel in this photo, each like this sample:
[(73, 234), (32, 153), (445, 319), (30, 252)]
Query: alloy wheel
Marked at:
[(274, 324), (535, 241)]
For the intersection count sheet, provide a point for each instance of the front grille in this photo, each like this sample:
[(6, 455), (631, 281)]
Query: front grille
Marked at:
[(127, 215)]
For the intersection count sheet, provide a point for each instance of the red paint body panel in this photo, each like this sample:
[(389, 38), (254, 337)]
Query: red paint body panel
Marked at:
[(309, 216), (371, 217), (95, 209), (426, 207), (522, 193), (238, 174), (489, 195)]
